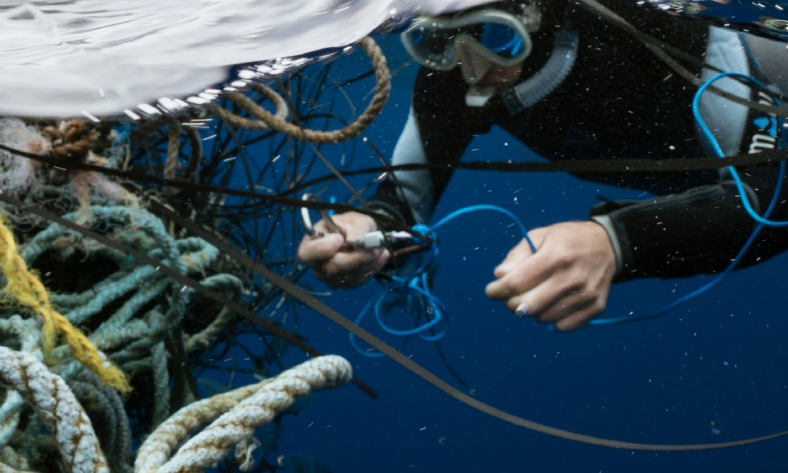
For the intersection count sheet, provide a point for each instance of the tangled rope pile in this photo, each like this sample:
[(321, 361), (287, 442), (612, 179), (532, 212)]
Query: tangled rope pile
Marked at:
[(93, 341), (25, 288), (133, 334)]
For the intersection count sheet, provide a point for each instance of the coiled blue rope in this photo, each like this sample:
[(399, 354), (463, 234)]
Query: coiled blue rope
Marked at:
[(415, 286)]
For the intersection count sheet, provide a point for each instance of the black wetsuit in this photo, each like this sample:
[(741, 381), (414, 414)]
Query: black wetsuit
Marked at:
[(618, 102)]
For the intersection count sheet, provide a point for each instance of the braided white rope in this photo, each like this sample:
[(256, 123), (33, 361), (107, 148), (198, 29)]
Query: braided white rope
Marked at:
[(159, 445), (257, 406), (30, 340), (60, 411)]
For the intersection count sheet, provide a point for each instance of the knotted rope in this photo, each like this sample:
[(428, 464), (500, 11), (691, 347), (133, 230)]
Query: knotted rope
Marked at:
[(73, 141)]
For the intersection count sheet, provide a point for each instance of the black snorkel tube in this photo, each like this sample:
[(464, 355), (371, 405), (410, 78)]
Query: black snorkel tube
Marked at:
[(548, 78)]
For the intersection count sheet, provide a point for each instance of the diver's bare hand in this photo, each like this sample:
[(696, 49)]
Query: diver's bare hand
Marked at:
[(566, 282), (333, 265)]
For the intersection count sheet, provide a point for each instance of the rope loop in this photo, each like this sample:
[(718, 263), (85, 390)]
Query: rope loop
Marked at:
[(266, 119)]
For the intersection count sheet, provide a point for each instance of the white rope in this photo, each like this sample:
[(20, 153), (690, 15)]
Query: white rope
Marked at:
[(259, 405), (13, 404), (62, 414)]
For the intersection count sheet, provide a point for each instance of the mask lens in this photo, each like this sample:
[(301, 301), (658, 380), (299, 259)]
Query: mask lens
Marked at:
[(433, 44), (501, 39), (430, 41)]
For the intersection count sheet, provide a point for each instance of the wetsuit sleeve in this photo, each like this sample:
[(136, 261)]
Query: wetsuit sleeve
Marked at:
[(439, 129), (681, 235), (702, 230)]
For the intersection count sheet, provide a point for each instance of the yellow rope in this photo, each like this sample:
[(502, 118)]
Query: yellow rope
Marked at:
[(26, 289)]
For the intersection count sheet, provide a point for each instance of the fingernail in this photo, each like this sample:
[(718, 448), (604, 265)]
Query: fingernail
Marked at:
[(521, 310)]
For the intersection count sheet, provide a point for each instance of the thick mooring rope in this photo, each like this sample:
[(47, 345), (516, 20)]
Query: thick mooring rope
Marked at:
[(249, 408)]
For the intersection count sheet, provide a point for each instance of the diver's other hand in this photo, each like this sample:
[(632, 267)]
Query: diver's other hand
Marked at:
[(337, 268), (566, 282)]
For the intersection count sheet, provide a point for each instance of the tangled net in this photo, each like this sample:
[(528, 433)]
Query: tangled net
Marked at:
[(107, 296)]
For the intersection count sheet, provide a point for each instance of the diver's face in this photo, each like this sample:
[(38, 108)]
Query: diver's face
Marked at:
[(478, 70)]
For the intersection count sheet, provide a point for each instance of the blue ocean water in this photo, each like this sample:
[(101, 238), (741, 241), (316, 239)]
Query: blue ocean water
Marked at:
[(711, 370), (708, 371)]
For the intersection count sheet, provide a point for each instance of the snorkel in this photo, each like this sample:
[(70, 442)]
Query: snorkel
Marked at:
[(558, 66), (548, 78)]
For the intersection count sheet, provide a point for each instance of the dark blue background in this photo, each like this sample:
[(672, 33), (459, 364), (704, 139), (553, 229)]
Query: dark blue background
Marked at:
[(718, 358)]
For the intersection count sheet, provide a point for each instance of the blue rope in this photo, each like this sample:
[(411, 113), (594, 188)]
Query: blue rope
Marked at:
[(414, 285), (761, 220), (739, 185)]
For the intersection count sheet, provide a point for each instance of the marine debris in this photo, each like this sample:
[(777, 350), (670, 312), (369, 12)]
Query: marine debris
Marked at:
[(112, 309), (138, 252)]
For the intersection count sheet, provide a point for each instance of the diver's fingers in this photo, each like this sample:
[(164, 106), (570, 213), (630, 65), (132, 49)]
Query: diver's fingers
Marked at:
[(349, 274), (322, 227), (524, 275), (511, 262), (520, 251), (596, 303), (568, 307), (538, 300), (370, 270), (313, 251), (352, 224), (352, 261)]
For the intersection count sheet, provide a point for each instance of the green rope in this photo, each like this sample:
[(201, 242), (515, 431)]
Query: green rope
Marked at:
[(161, 381)]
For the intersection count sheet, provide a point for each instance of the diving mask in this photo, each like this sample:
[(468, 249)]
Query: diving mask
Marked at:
[(497, 36)]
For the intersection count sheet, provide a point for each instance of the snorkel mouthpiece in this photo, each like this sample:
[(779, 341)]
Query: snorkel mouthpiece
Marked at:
[(479, 95)]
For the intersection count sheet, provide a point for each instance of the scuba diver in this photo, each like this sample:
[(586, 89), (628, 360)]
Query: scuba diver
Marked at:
[(571, 86)]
